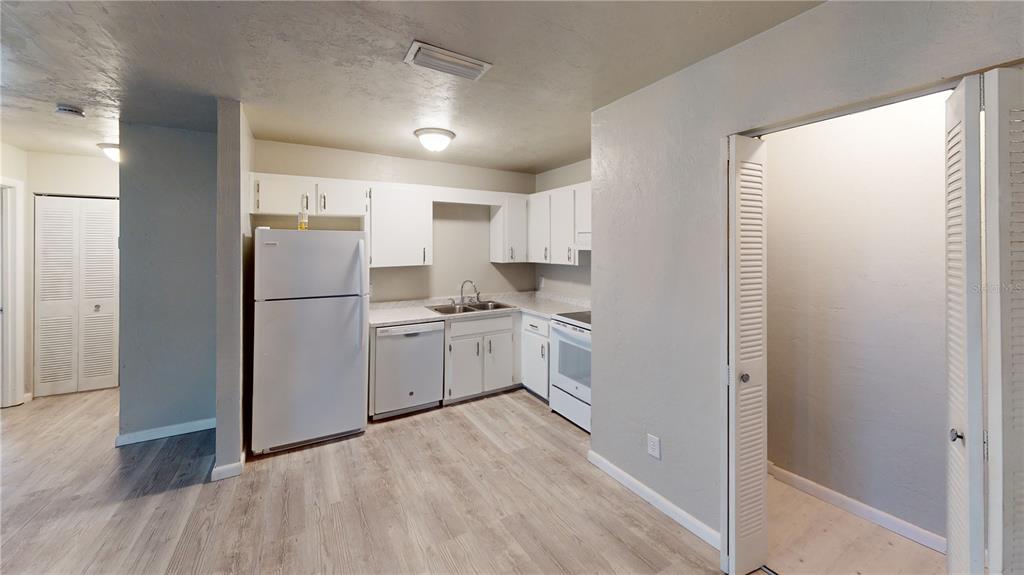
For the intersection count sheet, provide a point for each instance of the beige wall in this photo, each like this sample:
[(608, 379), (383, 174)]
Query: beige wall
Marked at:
[(70, 175), (856, 307), (13, 162), (660, 209), (461, 252), (564, 176), (299, 160)]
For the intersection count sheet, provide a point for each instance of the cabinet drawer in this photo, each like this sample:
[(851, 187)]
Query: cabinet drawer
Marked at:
[(535, 324), (480, 326)]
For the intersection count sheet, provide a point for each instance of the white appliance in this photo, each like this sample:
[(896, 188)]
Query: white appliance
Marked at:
[(310, 332), (408, 368), (570, 367)]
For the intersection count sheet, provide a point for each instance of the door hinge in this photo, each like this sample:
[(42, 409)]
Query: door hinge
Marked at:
[(984, 443)]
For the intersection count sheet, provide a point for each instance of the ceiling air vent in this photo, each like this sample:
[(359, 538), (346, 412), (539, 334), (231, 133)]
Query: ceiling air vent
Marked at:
[(445, 61)]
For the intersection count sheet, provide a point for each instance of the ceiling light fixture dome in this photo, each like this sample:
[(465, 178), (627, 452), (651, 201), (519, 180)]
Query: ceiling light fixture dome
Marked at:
[(112, 151), (434, 139)]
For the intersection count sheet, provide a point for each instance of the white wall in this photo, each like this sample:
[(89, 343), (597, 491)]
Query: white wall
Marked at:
[(856, 307), (14, 166), (168, 277), (70, 175), (660, 209)]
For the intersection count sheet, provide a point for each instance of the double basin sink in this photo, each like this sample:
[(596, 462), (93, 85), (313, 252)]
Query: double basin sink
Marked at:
[(449, 309)]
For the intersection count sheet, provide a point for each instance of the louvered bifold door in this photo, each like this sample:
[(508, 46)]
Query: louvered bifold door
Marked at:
[(98, 301), (56, 286), (748, 422), (1004, 196), (965, 515)]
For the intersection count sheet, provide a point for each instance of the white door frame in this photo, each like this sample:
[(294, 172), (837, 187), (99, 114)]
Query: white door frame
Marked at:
[(12, 387), (726, 374)]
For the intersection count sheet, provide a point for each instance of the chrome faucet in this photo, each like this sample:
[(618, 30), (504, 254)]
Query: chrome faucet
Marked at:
[(462, 292)]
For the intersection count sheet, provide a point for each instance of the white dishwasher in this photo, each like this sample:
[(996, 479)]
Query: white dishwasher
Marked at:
[(408, 368)]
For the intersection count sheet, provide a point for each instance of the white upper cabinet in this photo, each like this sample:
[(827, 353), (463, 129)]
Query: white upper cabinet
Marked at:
[(341, 198), (563, 227), (508, 231), (538, 217), (581, 193), (278, 194), (401, 228)]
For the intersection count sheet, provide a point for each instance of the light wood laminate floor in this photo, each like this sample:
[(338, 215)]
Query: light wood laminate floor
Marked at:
[(499, 485)]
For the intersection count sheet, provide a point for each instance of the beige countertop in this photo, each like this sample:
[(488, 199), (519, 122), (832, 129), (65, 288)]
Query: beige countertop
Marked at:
[(405, 312)]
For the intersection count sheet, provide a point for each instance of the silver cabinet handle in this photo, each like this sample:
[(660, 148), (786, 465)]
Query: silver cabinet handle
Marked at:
[(305, 201), (545, 253), (490, 346), (323, 201), (424, 255), (257, 196), (511, 253), (570, 254), (542, 351), (478, 348)]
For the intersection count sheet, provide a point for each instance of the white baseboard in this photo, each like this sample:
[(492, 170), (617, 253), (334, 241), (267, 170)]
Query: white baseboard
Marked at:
[(862, 510), (689, 522), (227, 470), (165, 431)]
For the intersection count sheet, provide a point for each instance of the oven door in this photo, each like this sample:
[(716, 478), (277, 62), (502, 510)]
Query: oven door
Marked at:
[(570, 360)]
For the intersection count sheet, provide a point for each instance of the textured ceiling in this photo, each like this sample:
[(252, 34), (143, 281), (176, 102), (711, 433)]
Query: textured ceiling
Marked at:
[(332, 73)]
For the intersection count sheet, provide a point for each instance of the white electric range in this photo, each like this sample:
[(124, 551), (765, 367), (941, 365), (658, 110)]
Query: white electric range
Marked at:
[(570, 367)]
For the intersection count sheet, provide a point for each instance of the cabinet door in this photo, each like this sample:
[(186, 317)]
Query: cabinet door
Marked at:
[(538, 207), (582, 198), (98, 294), (276, 194), (563, 229), (508, 231), (401, 228), (535, 363), (341, 198), (465, 375), (499, 359)]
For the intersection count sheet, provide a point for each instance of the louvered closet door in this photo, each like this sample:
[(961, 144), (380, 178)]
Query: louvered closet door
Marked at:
[(1004, 177), (747, 543), (56, 288), (98, 301), (965, 516)]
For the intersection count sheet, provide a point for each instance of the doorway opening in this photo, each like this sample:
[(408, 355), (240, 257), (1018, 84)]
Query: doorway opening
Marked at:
[(846, 392)]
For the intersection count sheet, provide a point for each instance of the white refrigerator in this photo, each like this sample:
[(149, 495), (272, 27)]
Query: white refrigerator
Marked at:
[(310, 337)]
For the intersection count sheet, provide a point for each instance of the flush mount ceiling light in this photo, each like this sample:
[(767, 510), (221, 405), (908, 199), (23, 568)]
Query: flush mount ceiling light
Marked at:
[(112, 151), (69, 110), (434, 139), (445, 61)]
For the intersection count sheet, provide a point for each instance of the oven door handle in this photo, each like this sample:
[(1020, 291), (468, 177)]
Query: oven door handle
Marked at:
[(569, 334)]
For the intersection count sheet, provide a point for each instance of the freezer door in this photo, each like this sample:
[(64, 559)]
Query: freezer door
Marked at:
[(313, 263), (309, 370)]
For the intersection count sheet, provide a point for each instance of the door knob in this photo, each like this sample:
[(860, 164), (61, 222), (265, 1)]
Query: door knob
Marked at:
[(745, 377), (96, 307), (954, 435)]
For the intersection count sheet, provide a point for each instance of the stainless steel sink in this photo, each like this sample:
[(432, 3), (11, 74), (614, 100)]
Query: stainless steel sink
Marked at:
[(489, 305), (448, 309)]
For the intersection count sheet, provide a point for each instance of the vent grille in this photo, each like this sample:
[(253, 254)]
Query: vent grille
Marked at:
[(446, 61)]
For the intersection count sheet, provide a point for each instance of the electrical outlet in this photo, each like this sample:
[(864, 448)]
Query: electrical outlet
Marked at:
[(654, 446)]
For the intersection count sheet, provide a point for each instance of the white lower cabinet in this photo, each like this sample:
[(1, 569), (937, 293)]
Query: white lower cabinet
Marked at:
[(533, 354), (481, 357)]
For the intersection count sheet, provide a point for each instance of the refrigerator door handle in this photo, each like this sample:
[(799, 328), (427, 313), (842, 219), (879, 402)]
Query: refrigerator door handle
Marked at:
[(362, 294)]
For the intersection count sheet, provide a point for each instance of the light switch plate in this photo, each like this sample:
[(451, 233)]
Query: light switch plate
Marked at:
[(654, 446)]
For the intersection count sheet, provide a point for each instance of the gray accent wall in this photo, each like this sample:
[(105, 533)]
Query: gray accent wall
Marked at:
[(660, 210), (856, 307), (168, 187)]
